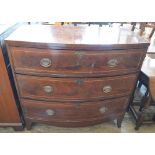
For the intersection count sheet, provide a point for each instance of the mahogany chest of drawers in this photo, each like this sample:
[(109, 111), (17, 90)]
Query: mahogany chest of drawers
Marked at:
[(74, 76)]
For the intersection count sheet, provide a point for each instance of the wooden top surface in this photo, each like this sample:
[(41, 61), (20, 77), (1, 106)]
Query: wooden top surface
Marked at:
[(71, 37)]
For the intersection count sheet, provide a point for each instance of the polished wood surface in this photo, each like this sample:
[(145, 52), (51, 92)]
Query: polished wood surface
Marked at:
[(73, 112), (9, 115), (9, 110), (71, 37), (76, 63), (73, 71), (74, 88)]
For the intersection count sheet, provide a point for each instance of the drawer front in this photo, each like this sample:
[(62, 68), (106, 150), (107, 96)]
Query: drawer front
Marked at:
[(70, 111), (65, 63), (45, 88)]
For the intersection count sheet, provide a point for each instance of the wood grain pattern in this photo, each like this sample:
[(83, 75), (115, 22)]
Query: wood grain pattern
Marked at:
[(68, 63), (74, 88), (8, 108), (71, 37), (73, 112), (65, 71)]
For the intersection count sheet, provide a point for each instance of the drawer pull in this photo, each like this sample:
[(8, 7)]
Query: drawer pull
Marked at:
[(80, 54), (50, 112), (48, 89), (103, 110), (45, 62), (107, 89), (112, 63)]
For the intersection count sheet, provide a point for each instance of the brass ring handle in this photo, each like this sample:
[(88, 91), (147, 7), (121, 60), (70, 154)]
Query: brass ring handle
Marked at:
[(50, 112), (103, 110), (80, 54), (45, 62), (107, 89), (48, 89), (112, 63)]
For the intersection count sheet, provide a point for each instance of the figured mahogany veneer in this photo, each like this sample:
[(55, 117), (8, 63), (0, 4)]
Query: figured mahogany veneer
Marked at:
[(72, 112), (76, 63), (75, 76), (75, 89)]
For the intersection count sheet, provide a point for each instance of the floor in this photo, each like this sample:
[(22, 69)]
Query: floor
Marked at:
[(107, 127)]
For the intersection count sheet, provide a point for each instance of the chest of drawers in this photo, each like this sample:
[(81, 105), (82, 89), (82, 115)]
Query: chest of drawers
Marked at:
[(74, 76)]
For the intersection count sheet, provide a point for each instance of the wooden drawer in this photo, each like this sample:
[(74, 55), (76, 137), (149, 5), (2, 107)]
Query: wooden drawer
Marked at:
[(65, 63), (45, 88), (70, 111)]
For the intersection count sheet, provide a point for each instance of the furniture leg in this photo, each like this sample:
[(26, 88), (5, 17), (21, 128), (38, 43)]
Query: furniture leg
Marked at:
[(141, 116), (139, 121), (131, 98), (18, 128), (28, 124), (144, 100), (119, 121), (139, 84)]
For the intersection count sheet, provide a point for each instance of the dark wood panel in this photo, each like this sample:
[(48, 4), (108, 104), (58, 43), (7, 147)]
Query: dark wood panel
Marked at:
[(70, 63), (75, 123), (74, 88), (70, 111)]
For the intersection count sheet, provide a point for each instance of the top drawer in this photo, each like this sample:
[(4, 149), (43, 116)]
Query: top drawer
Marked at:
[(67, 63)]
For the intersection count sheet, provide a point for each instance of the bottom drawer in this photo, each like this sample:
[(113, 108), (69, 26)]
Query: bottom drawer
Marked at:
[(70, 112)]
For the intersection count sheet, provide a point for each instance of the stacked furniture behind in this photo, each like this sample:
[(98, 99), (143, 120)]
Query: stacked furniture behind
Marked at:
[(75, 76)]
